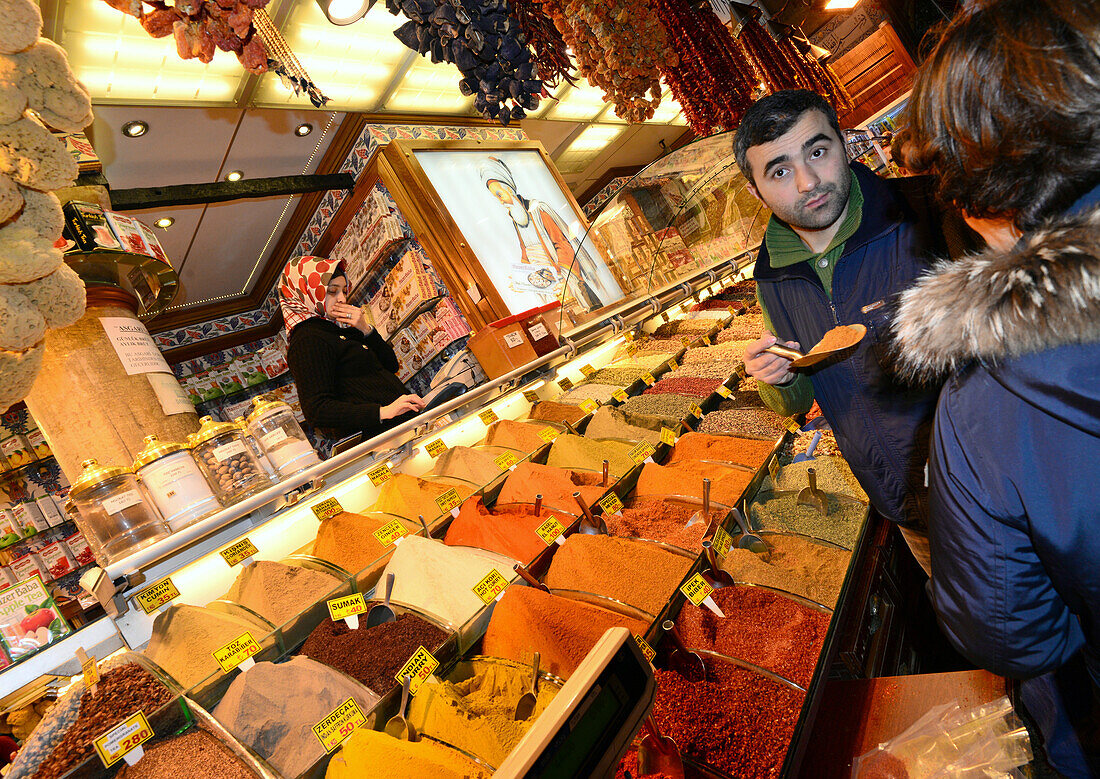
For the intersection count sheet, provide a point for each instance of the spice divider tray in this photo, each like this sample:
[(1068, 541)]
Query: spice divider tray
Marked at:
[(762, 496), (205, 720)]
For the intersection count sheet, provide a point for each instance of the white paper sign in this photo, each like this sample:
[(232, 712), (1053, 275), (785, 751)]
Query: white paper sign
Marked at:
[(173, 399), (134, 346)]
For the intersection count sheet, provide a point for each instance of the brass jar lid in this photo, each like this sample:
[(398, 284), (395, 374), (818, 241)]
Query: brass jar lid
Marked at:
[(209, 429), (155, 449), (94, 474), (261, 406)]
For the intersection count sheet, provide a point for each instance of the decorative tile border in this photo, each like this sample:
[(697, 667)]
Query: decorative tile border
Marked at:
[(609, 191)]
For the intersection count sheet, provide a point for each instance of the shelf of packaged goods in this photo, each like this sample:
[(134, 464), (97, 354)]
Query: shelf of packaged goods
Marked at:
[(98, 639)]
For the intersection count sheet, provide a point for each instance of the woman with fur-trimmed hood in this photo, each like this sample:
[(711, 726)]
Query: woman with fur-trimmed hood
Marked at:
[(1006, 111)]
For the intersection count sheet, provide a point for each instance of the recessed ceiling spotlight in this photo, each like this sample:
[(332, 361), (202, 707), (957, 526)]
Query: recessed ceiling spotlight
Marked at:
[(305, 128), (234, 175), (342, 12), (165, 222), (135, 129)]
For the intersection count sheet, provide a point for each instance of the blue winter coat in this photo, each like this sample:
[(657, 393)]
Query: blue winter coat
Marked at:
[(1015, 467), (881, 425)]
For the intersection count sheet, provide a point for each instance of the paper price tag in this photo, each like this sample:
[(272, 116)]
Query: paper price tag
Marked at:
[(334, 729), (531, 396), (551, 530), (740, 370), (587, 370), (379, 474), (773, 469), (490, 587), (348, 608), (565, 384), (588, 405), (696, 410), (642, 451), (697, 589), (435, 448), (611, 504), (390, 532), (156, 595), (488, 417), (548, 434), (791, 425), (326, 509), (685, 340), (620, 395), (505, 461), (672, 364), (122, 739), (724, 391), (648, 379), (647, 650), (664, 317), (236, 652), (88, 668), (668, 436), (419, 667), (448, 501), (722, 542), (242, 550)]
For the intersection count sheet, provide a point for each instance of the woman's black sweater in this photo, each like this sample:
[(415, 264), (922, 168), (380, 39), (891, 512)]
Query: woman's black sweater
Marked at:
[(344, 377)]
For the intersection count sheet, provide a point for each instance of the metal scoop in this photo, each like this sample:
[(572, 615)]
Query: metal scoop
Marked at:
[(593, 525), (812, 496), (527, 577), (718, 577), (842, 337), (749, 540), (381, 613), (691, 665), (606, 472), (538, 504), (525, 707), (809, 453), (398, 726), (704, 515), (423, 524), (658, 754)]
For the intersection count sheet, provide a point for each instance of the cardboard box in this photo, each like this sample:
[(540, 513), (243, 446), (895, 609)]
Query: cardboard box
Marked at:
[(501, 349)]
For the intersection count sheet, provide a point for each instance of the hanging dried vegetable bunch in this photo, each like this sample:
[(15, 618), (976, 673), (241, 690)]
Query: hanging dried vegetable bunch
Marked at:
[(201, 26), (484, 41), (619, 46), (547, 43)]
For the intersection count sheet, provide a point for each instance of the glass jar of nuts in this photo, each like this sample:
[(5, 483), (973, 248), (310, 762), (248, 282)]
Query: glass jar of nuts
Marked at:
[(229, 465)]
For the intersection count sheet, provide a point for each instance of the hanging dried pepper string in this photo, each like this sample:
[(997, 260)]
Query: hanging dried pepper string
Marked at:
[(550, 53)]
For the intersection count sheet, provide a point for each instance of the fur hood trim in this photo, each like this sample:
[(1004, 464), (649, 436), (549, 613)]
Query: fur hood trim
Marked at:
[(996, 306)]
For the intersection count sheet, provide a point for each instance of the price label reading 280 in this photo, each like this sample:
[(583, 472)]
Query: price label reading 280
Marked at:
[(132, 733)]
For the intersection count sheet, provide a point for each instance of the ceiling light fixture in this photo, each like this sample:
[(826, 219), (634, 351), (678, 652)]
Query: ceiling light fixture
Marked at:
[(304, 129), (344, 12), (808, 48), (135, 129), (740, 15), (840, 5), (165, 222), (778, 30), (234, 175)]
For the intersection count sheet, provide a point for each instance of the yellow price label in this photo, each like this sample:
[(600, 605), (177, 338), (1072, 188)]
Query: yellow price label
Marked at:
[(696, 410), (739, 369), (239, 551), (647, 650), (435, 448), (685, 340), (668, 436), (390, 532), (697, 589), (347, 606), (334, 729), (88, 668), (648, 379), (236, 652), (620, 395), (611, 504), (722, 542), (156, 595), (565, 384), (490, 586), (724, 391), (326, 509), (419, 667), (448, 500), (587, 370), (773, 469), (791, 425), (488, 417), (641, 451), (531, 396), (672, 364), (550, 530), (548, 434), (379, 474), (122, 738), (505, 461), (588, 405)]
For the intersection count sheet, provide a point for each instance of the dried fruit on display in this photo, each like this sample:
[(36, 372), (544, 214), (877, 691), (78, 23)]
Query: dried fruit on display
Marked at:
[(620, 46), (546, 41), (484, 41)]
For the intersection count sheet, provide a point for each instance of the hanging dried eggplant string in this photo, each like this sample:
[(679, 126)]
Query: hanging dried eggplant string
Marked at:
[(619, 46), (283, 61), (550, 53)]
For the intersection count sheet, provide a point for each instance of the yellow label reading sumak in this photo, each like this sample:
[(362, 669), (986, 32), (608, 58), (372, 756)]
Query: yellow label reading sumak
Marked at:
[(588, 405), (124, 737), (241, 550), (587, 370), (419, 667), (156, 595), (448, 500), (697, 589), (611, 504), (648, 379), (326, 509), (620, 395), (647, 650), (488, 417), (334, 729), (390, 532), (435, 448), (505, 461), (668, 436), (379, 474), (791, 425), (490, 587), (724, 391), (640, 452), (548, 434), (565, 384), (236, 652), (531, 396), (347, 606), (722, 542), (550, 529)]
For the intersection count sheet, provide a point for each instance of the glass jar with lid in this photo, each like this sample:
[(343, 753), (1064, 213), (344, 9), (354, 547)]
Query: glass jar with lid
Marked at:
[(225, 458), (282, 438), (117, 516), (174, 482), (256, 449)]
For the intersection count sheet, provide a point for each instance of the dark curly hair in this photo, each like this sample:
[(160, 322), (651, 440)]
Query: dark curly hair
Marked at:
[(1005, 110)]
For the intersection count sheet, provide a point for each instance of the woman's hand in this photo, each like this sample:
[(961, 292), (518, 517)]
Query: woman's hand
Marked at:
[(766, 367), (402, 405), (352, 315)]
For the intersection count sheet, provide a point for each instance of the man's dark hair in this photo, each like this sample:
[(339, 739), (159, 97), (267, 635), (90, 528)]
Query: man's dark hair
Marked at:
[(771, 116), (1005, 109)]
